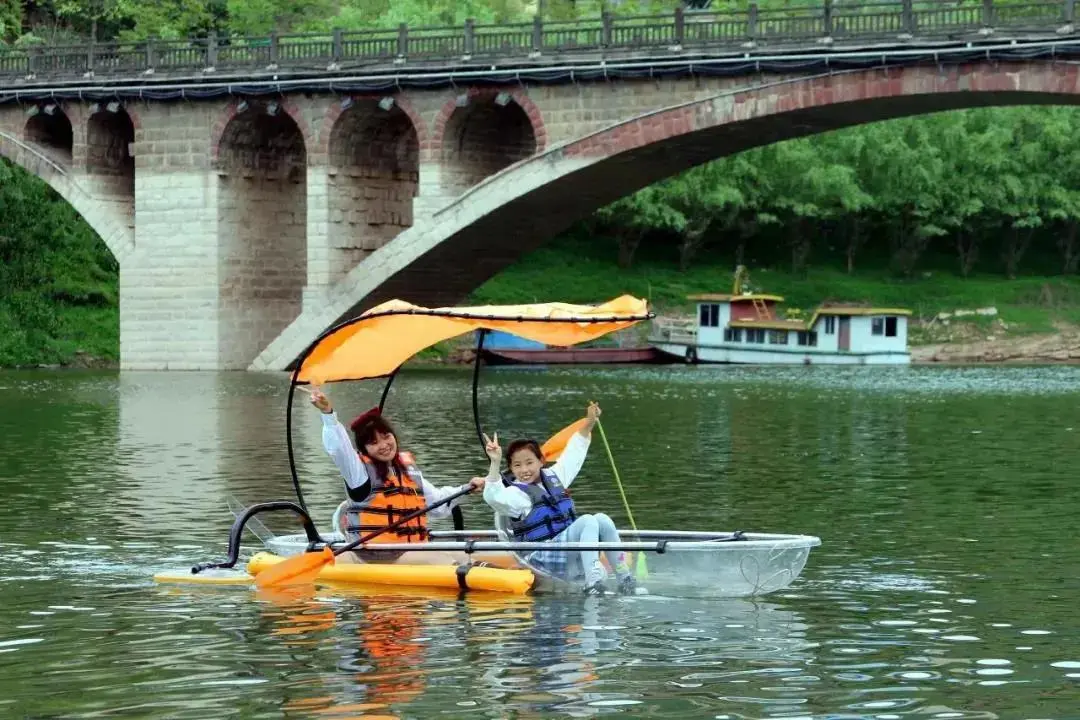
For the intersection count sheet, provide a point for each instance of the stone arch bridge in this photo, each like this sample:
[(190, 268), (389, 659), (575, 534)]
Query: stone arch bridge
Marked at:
[(245, 225)]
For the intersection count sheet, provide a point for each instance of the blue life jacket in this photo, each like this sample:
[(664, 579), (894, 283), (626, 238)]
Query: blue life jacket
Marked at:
[(552, 509)]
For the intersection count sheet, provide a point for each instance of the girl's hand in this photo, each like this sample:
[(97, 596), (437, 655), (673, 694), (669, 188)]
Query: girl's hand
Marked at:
[(319, 400), (593, 413), (477, 483), (491, 447)]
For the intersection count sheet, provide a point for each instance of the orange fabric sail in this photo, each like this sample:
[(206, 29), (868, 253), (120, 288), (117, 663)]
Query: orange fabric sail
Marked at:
[(555, 445), (389, 334)]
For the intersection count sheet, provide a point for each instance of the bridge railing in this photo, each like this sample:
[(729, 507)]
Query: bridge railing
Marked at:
[(840, 21)]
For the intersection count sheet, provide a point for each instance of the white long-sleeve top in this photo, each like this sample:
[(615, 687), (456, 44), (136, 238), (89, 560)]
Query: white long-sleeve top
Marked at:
[(513, 502), (339, 447)]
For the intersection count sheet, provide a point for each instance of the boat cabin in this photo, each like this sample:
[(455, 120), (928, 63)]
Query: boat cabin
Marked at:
[(752, 320), (747, 328)]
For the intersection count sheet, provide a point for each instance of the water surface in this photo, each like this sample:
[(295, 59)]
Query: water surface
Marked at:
[(946, 585)]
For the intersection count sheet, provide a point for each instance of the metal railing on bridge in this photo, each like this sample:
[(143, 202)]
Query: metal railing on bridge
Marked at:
[(843, 23)]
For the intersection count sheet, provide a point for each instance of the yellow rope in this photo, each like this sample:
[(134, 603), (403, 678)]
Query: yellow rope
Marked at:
[(642, 569)]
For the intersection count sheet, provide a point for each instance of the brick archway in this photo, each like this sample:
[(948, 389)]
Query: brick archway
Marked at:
[(521, 98), (335, 111), (232, 110), (511, 213)]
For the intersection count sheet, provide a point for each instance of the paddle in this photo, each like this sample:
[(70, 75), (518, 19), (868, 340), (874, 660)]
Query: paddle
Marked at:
[(306, 567), (641, 569)]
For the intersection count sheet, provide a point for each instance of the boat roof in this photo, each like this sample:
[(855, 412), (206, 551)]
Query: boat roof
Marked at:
[(853, 310), (377, 342), (727, 297), (775, 324)]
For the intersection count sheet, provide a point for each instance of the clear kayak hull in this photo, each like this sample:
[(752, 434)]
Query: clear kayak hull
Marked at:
[(678, 563)]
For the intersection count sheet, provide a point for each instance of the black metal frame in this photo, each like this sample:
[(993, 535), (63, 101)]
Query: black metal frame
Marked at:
[(314, 539)]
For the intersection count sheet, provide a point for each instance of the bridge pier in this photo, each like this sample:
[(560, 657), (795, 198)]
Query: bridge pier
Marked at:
[(169, 284)]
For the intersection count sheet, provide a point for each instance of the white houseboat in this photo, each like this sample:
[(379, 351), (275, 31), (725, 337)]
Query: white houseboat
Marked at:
[(743, 327)]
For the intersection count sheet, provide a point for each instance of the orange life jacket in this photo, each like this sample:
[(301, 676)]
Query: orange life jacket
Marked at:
[(392, 497)]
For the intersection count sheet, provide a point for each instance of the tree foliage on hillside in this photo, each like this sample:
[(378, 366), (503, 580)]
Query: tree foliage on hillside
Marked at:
[(985, 184), (50, 260), (60, 21)]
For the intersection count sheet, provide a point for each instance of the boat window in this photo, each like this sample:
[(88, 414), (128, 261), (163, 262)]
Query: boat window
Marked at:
[(830, 324), (808, 338), (778, 337), (754, 335), (890, 326), (884, 325), (732, 335), (709, 315)]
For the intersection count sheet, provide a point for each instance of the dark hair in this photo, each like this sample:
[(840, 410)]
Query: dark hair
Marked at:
[(365, 432), (530, 445)]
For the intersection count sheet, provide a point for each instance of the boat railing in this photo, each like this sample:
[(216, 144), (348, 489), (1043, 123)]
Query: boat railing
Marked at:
[(674, 330)]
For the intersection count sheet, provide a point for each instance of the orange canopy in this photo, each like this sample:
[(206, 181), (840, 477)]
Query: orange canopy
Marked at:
[(384, 337)]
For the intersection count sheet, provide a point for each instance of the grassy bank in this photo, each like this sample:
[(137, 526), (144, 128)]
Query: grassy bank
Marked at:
[(584, 270)]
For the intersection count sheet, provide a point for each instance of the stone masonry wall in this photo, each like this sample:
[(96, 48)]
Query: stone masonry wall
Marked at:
[(169, 315)]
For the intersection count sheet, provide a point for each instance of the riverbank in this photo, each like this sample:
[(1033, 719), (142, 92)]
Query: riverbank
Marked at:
[(1036, 319), (984, 318)]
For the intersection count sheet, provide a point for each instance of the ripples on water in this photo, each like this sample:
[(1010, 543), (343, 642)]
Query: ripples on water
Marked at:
[(945, 588)]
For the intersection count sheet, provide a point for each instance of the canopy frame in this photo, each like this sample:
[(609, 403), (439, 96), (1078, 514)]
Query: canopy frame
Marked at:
[(294, 380)]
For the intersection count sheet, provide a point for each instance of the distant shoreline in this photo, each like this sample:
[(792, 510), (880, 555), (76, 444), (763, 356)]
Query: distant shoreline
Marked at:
[(1059, 348)]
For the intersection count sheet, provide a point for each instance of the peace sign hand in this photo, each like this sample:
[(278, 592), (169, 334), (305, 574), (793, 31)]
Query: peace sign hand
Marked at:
[(318, 398), (491, 447)]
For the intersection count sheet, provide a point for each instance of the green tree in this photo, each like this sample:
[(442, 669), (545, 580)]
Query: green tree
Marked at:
[(49, 259)]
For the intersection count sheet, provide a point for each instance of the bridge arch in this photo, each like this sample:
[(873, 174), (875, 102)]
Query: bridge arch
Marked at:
[(261, 163), (482, 131), (110, 131), (50, 129), (118, 236), (510, 214), (372, 149)]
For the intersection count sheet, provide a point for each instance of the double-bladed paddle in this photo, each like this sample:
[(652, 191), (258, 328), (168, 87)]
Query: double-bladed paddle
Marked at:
[(304, 568)]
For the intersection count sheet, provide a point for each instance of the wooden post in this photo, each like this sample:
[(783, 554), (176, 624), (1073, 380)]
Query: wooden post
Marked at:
[(827, 18), (1070, 11), (211, 50), (90, 57), (605, 31), (538, 34), (150, 53), (751, 21), (909, 16), (680, 25), (988, 13), (402, 40), (470, 36), (339, 47), (273, 48)]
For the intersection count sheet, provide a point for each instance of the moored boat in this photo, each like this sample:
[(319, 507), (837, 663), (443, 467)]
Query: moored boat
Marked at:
[(744, 327), (375, 345), (506, 349)]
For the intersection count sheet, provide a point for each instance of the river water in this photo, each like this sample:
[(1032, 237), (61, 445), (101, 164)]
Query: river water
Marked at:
[(945, 586)]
